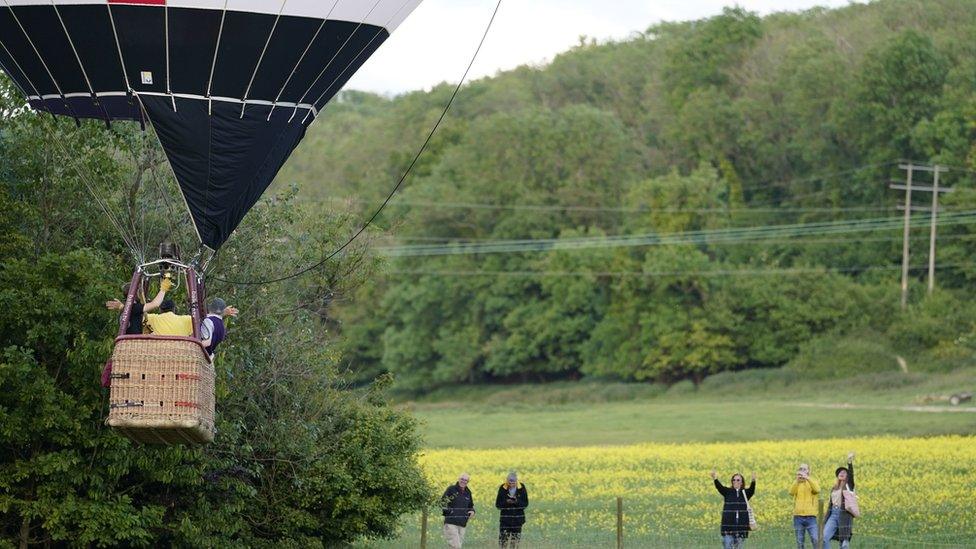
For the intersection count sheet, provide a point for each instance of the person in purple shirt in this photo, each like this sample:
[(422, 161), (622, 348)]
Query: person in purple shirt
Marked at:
[(212, 329)]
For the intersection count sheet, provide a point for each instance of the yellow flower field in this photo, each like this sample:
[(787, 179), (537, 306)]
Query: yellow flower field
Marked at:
[(913, 492)]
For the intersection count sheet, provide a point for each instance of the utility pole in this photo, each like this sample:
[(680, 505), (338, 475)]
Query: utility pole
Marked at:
[(909, 187), (904, 244), (935, 214)]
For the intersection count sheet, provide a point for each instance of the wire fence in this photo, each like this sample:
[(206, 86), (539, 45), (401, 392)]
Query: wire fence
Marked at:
[(617, 524)]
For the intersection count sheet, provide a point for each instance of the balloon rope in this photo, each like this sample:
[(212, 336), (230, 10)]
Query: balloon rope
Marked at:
[(396, 187), (137, 253)]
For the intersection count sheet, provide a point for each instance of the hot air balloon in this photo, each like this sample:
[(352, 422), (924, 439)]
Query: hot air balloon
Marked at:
[(230, 87)]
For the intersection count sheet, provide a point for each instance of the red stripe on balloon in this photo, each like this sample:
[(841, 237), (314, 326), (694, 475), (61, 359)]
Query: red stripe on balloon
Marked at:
[(139, 2)]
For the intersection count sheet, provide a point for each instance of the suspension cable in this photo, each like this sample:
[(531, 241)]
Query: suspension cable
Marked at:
[(102, 204)]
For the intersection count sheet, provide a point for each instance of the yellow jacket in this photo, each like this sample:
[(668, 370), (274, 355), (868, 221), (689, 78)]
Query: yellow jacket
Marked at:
[(805, 497), (170, 324)]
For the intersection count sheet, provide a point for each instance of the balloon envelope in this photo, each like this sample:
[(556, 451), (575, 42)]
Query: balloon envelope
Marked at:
[(230, 86)]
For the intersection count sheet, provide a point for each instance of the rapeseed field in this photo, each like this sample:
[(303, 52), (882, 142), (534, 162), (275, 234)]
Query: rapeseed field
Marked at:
[(913, 492)]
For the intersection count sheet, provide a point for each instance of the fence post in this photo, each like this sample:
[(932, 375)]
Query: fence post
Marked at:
[(620, 522), (820, 523), (423, 529)]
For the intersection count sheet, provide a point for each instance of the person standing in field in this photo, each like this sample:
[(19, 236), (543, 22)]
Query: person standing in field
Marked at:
[(735, 511), (512, 499), (839, 522), (804, 491), (457, 505)]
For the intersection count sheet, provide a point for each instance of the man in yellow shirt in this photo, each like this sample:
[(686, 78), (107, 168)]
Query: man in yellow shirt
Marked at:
[(804, 492), (168, 323)]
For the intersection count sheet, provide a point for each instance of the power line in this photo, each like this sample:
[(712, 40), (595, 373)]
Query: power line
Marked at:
[(796, 241), (614, 209), (649, 274), (654, 239)]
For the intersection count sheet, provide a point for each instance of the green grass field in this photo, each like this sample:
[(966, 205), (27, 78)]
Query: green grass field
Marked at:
[(742, 407), (674, 422), (580, 445)]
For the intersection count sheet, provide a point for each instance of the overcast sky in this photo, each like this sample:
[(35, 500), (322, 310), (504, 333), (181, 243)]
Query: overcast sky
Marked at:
[(436, 42)]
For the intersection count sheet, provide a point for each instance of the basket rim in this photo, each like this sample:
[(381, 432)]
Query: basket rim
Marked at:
[(151, 337)]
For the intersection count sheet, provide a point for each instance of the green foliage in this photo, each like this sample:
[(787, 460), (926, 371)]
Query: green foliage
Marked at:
[(840, 356), (65, 475), (932, 336), (714, 125), (699, 54), (901, 85), (299, 459)]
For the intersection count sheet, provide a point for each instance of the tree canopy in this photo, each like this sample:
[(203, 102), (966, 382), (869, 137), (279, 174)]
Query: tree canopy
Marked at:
[(299, 459), (692, 130)]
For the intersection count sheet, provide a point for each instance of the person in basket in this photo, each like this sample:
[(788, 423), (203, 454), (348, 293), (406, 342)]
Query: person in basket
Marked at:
[(735, 511), (138, 308)]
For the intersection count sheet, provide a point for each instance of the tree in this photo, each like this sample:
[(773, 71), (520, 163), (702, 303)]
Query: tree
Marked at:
[(298, 459), (900, 86)]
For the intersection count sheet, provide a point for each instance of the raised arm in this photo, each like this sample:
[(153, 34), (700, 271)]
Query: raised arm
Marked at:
[(850, 470), (164, 286), (795, 487), (206, 330), (751, 489), (721, 489), (814, 486)]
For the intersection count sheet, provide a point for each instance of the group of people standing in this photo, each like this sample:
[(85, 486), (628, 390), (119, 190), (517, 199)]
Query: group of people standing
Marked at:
[(457, 506), (457, 503), (738, 517)]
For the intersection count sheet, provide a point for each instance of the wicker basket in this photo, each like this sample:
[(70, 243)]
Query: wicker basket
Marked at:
[(162, 390)]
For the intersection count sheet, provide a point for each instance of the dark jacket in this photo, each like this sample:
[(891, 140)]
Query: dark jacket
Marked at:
[(135, 318), (455, 504), (845, 523), (735, 514), (512, 508)]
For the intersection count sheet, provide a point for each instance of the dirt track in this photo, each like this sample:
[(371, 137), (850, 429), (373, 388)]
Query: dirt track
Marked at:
[(929, 409)]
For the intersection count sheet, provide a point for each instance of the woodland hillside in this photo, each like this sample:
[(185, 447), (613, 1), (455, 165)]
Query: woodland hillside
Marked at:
[(728, 179)]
